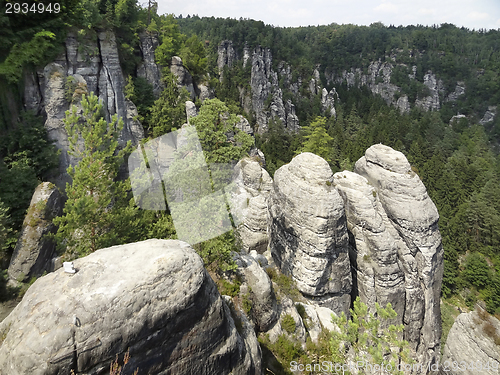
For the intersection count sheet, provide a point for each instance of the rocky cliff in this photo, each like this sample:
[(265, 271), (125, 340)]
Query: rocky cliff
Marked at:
[(395, 244), (91, 64), (308, 233), (153, 298), (267, 86)]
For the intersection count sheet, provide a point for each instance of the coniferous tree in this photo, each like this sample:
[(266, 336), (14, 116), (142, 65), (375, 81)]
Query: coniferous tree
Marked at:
[(98, 208), (317, 139), (369, 340)]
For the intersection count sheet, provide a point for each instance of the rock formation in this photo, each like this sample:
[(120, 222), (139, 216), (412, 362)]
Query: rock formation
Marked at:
[(472, 340), (252, 185), (431, 101), (34, 251), (184, 78), (396, 247), (489, 115), (148, 69), (307, 230), (154, 298), (88, 66), (264, 311), (226, 55)]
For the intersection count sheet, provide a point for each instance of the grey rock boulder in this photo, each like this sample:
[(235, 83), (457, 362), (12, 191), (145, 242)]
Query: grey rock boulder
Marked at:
[(264, 311), (154, 298), (191, 110), (34, 251), (308, 234), (316, 319), (467, 341)]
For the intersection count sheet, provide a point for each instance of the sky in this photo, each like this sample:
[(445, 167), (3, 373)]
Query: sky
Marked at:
[(473, 14)]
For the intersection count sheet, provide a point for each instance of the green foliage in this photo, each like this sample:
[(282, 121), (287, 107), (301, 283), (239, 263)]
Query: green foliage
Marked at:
[(33, 53), (168, 112), (230, 288), (288, 323), (27, 157), (285, 283), (277, 145), (278, 356), (194, 56), (97, 213), (171, 40), (140, 92), (246, 303), (213, 123), (372, 339), (216, 252), (317, 140), (476, 270)]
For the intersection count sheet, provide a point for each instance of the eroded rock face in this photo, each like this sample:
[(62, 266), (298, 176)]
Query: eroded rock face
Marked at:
[(398, 254), (435, 87), (149, 70), (467, 341), (251, 191), (91, 65), (226, 55), (264, 311), (308, 234), (33, 253), (184, 78), (154, 297), (374, 253)]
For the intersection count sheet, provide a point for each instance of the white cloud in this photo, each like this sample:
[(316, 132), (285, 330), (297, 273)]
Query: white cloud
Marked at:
[(426, 11), (386, 8), (478, 16)]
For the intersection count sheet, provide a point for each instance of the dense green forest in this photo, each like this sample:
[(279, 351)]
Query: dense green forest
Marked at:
[(458, 161)]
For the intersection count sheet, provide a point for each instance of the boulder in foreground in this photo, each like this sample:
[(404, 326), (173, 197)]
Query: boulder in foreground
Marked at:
[(154, 298)]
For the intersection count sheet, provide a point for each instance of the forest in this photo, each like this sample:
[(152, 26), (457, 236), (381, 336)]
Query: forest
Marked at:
[(457, 160)]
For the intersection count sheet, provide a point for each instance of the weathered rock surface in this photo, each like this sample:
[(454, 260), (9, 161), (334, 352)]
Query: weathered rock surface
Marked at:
[(93, 66), (468, 342), (148, 69), (226, 55), (318, 318), (459, 91), (184, 78), (489, 115), (308, 234), (191, 110), (249, 196), (328, 101), (34, 252), (264, 311), (374, 253), (287, 307), (431, 101), (395, 223), (154, 297)]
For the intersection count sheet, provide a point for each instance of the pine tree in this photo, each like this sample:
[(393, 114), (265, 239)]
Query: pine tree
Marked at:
[(98, 206), (168, 112), (369, 339), (317, 139)]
